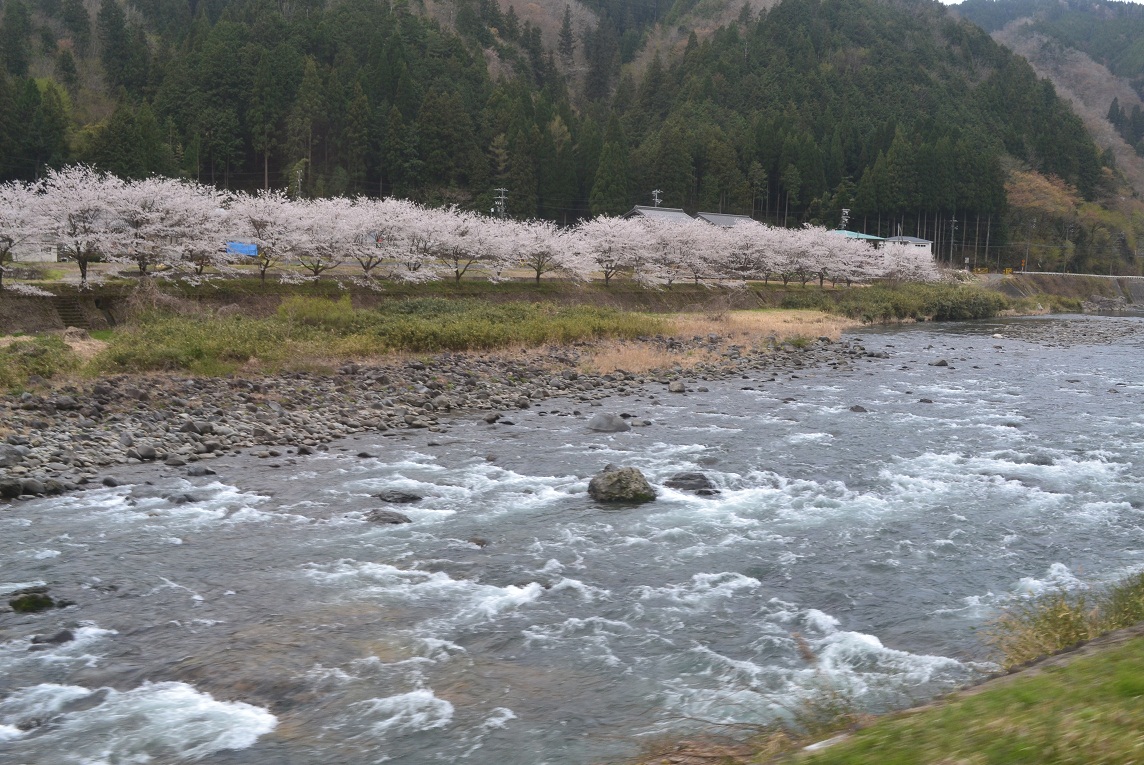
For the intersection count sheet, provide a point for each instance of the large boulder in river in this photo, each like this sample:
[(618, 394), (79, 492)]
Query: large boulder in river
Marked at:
[(388, 516), (613, 484), (399, 497), (606, 422), (696, 482)]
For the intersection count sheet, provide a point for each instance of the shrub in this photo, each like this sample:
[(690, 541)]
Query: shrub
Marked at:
[(46, 356), (1058, 620)]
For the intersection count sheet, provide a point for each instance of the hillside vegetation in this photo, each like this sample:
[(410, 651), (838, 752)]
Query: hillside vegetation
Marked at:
[(897, 111)]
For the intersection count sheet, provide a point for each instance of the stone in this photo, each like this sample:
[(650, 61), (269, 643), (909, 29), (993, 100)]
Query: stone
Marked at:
[(174, 461), (75, 334), (198, 471), (606, 422), (627, 484), (398, 497), (147, 453), (30, 602), (691, 481), (859, 409), (110, 482), (63, 636), (11, 488), (54, 487), (676, 386), (10, 456), (925, 400), (522, 402), (126, 440), (388, 516), (31, 486), (939, 363)]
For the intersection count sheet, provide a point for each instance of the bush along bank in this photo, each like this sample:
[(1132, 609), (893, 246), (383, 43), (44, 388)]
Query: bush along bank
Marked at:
[(59, 440)]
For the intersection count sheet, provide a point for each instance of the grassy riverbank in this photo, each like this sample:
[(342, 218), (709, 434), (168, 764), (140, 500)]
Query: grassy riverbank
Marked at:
[(1076, 713), (1079, 707), (313, 334)]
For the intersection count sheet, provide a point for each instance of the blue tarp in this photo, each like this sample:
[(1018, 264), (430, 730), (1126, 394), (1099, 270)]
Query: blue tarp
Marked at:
[(242, 248)]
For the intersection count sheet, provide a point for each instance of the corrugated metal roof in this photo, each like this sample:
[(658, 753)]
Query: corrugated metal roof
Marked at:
[(856, 235), (723, 219), (908, 240), (658, 213)]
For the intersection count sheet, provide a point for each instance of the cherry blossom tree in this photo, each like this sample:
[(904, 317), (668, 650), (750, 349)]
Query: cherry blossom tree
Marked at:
[(614, 244), (418, 234), (541, 248), (266, 219), (201, 243), (17, 213), (325, 231), (74, 210)]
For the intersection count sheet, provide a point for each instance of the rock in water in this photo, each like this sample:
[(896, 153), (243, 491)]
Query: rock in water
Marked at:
[(398, 497), (697, 482), (388, 516), (613, 484), (31, 602), (608, 423)]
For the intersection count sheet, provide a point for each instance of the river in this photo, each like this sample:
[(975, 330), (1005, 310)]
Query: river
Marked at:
[(255, 616)]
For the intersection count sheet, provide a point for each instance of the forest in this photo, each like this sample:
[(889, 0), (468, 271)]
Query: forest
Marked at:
[(896, 111)]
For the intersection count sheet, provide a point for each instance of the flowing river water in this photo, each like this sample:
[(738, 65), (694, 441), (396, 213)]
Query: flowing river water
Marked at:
[(257, 617)]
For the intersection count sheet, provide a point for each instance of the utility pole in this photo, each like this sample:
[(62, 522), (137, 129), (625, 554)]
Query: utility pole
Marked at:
[(657, 197), (501, 201)]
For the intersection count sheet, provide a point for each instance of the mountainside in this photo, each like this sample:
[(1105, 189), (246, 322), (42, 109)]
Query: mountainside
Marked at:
[(1111, 32), (897, 111)]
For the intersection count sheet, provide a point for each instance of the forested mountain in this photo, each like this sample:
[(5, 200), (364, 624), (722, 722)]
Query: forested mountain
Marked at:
[(1109, 31), (894, 109)]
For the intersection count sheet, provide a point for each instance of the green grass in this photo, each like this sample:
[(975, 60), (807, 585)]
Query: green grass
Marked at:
[(306, 332), (883, 303), (44, 355), (1089, 711)]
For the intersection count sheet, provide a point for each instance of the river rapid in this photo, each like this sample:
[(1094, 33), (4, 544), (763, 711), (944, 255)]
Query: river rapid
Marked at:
[(256, 616)]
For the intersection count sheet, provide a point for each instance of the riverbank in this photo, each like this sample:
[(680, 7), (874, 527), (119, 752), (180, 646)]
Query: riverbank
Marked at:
[(1078, 706), (58, 438)]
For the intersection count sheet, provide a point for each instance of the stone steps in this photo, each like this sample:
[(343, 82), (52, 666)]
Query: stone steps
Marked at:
[(70, 312)]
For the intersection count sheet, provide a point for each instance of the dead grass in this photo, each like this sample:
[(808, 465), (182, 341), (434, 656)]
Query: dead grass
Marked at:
[(736, 326), (755, 330)]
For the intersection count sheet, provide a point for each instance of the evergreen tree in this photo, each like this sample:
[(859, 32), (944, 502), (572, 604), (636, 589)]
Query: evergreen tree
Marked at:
[(114, 43), (78, 24), (1115, 115), (400, 163), (611, 193), (306, 113), (66, 72), (15, 42), (566, 40), (355, 138), (511, 25)]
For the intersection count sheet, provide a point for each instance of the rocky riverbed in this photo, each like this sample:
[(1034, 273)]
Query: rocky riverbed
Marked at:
[(60, 439)]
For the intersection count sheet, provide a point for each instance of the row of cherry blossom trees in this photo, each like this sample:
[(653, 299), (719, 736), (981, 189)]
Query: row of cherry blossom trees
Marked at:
[(182, 228)]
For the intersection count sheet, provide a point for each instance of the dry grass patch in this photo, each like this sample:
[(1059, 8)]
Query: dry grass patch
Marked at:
[(752, 329), (638, 358), (757, 326)]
